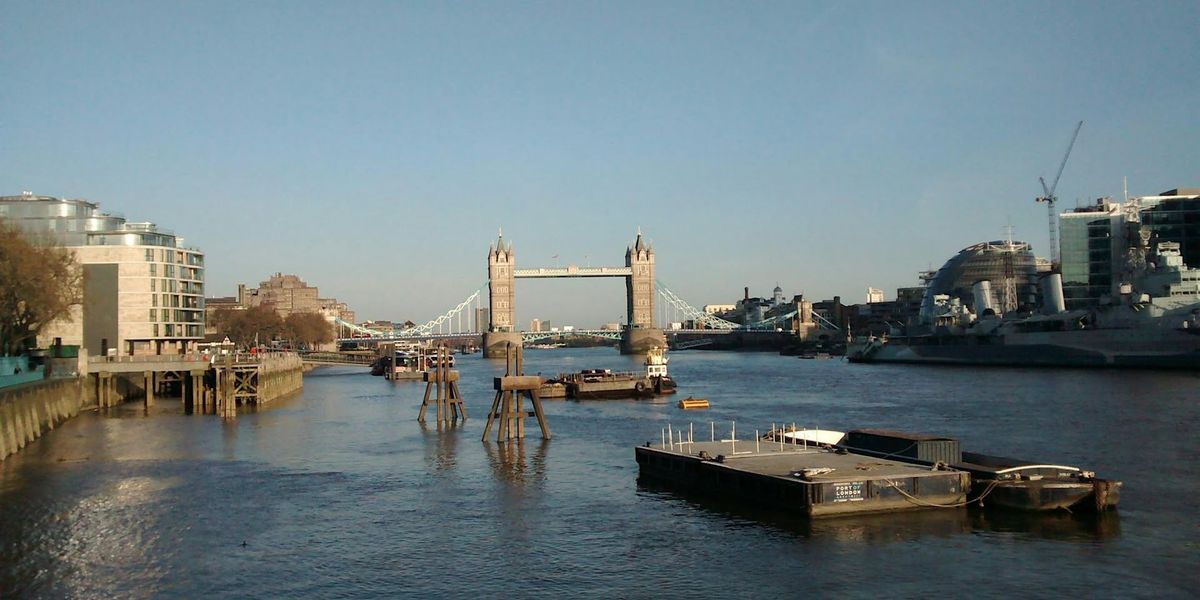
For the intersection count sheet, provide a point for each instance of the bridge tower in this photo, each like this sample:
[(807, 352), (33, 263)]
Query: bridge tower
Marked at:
[(501, 272), (640, 334)]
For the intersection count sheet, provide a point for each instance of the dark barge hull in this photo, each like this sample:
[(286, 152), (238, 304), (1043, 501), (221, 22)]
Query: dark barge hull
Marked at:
[(767, 479), (1047, 495), (619, 388), (993, 480)]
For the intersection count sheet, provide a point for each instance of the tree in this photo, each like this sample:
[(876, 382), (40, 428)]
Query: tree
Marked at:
[(38, 285), (308, 329), (243, 327)]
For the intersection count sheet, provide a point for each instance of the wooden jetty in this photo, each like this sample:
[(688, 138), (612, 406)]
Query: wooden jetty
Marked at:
[(241, 380), (813, 480)]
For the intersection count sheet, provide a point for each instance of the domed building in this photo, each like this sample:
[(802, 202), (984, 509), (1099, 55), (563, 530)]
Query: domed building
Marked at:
[(994, 262)]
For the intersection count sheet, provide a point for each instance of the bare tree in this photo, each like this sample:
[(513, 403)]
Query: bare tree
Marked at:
[(309, 329), (243, 327), (39, 283)]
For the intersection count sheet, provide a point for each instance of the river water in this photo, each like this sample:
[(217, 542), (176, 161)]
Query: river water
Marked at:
[(339, 492)]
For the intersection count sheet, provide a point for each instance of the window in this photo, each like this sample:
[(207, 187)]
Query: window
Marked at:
[(152, 282), (153, 269), (154, 314)]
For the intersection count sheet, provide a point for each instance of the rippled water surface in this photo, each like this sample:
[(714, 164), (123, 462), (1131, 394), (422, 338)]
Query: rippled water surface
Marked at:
[(339, 492)]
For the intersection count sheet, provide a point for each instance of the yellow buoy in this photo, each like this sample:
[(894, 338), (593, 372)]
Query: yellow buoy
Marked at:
[(690, 402)]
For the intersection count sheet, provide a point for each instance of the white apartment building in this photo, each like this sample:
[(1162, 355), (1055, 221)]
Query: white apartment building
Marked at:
[(143, 291)]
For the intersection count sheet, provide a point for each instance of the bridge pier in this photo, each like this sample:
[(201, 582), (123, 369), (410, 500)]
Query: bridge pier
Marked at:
[(496, 343), (640, 340)]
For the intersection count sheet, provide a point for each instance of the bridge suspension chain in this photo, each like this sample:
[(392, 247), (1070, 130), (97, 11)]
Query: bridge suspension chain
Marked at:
[(824, 323), (417, 330), (427, 328), (715, 322), (697, 315)]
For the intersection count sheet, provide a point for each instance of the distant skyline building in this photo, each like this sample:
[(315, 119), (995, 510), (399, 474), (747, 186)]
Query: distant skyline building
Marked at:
[(716, 309), (535, 325), (874, 295), (288, 295), (143, 290)]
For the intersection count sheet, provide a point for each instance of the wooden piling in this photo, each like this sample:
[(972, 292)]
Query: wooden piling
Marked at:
[(442, 382), (506, 408)]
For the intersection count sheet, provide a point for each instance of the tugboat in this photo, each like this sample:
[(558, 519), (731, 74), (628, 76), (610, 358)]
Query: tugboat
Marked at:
[(604, 383)]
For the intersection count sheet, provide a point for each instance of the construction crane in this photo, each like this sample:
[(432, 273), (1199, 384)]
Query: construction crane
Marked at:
[(1049, 198)]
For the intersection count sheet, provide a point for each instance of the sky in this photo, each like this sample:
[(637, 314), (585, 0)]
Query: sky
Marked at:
[(376, 149)]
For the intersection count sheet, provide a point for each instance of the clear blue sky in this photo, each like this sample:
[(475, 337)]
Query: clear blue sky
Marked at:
[(375, 148)]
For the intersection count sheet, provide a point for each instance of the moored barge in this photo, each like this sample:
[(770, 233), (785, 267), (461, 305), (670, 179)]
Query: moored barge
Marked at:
[(995, 481), (604, 383), (811, 480)]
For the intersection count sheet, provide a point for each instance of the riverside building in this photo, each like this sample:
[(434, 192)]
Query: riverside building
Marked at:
[(143, 290), (1095, 240)]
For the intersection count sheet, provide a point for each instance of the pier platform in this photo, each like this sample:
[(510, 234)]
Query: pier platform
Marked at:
[(814, 481)]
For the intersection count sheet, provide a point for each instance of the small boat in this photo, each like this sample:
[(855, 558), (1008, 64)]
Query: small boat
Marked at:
[(690, 403)]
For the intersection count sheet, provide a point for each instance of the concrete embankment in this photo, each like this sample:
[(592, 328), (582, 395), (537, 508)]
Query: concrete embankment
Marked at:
[(279, 376), (29, 410)]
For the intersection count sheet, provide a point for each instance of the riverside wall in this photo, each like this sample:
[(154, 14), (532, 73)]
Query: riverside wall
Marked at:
[(279, 376), (31, 409)]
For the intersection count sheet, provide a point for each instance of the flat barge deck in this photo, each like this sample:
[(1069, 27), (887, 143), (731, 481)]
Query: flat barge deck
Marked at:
[(813, 481)]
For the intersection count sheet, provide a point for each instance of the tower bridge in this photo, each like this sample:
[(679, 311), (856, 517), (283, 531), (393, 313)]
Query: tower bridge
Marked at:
[(641, 289), (639, 334)]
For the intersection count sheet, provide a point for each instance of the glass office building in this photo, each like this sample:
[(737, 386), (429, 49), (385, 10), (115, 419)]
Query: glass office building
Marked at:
[(1094, 240), (1086, 240), (1174, 216)]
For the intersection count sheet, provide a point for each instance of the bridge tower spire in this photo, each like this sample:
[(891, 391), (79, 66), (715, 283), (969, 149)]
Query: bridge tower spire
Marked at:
[(501, 273), (640, 333)]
